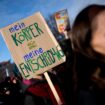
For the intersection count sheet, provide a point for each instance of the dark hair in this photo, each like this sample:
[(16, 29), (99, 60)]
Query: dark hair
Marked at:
[(82, 30)]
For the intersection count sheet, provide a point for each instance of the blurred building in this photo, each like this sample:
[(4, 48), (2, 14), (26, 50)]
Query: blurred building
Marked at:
[(6, 70)]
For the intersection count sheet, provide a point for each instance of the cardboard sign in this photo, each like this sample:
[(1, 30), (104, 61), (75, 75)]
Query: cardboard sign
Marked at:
[(62, 21), (33, 46)]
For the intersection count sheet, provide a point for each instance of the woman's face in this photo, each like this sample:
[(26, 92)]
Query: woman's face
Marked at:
[(98, 35)]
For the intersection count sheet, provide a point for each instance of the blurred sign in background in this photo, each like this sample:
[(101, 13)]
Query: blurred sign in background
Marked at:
[(62, 21)]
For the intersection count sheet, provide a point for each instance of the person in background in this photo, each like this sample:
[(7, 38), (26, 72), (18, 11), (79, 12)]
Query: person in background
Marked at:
[(88, 43)]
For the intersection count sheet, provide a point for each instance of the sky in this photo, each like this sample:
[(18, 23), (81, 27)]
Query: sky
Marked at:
[(14, 10)]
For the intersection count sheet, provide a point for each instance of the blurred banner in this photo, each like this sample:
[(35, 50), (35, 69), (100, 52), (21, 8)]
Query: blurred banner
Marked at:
[(62, 21)]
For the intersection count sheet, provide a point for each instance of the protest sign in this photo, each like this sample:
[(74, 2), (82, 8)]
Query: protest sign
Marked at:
[(62, 20), (33, 46)]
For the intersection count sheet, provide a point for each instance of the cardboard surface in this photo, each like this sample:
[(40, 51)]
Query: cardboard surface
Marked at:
[(33, 46)]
